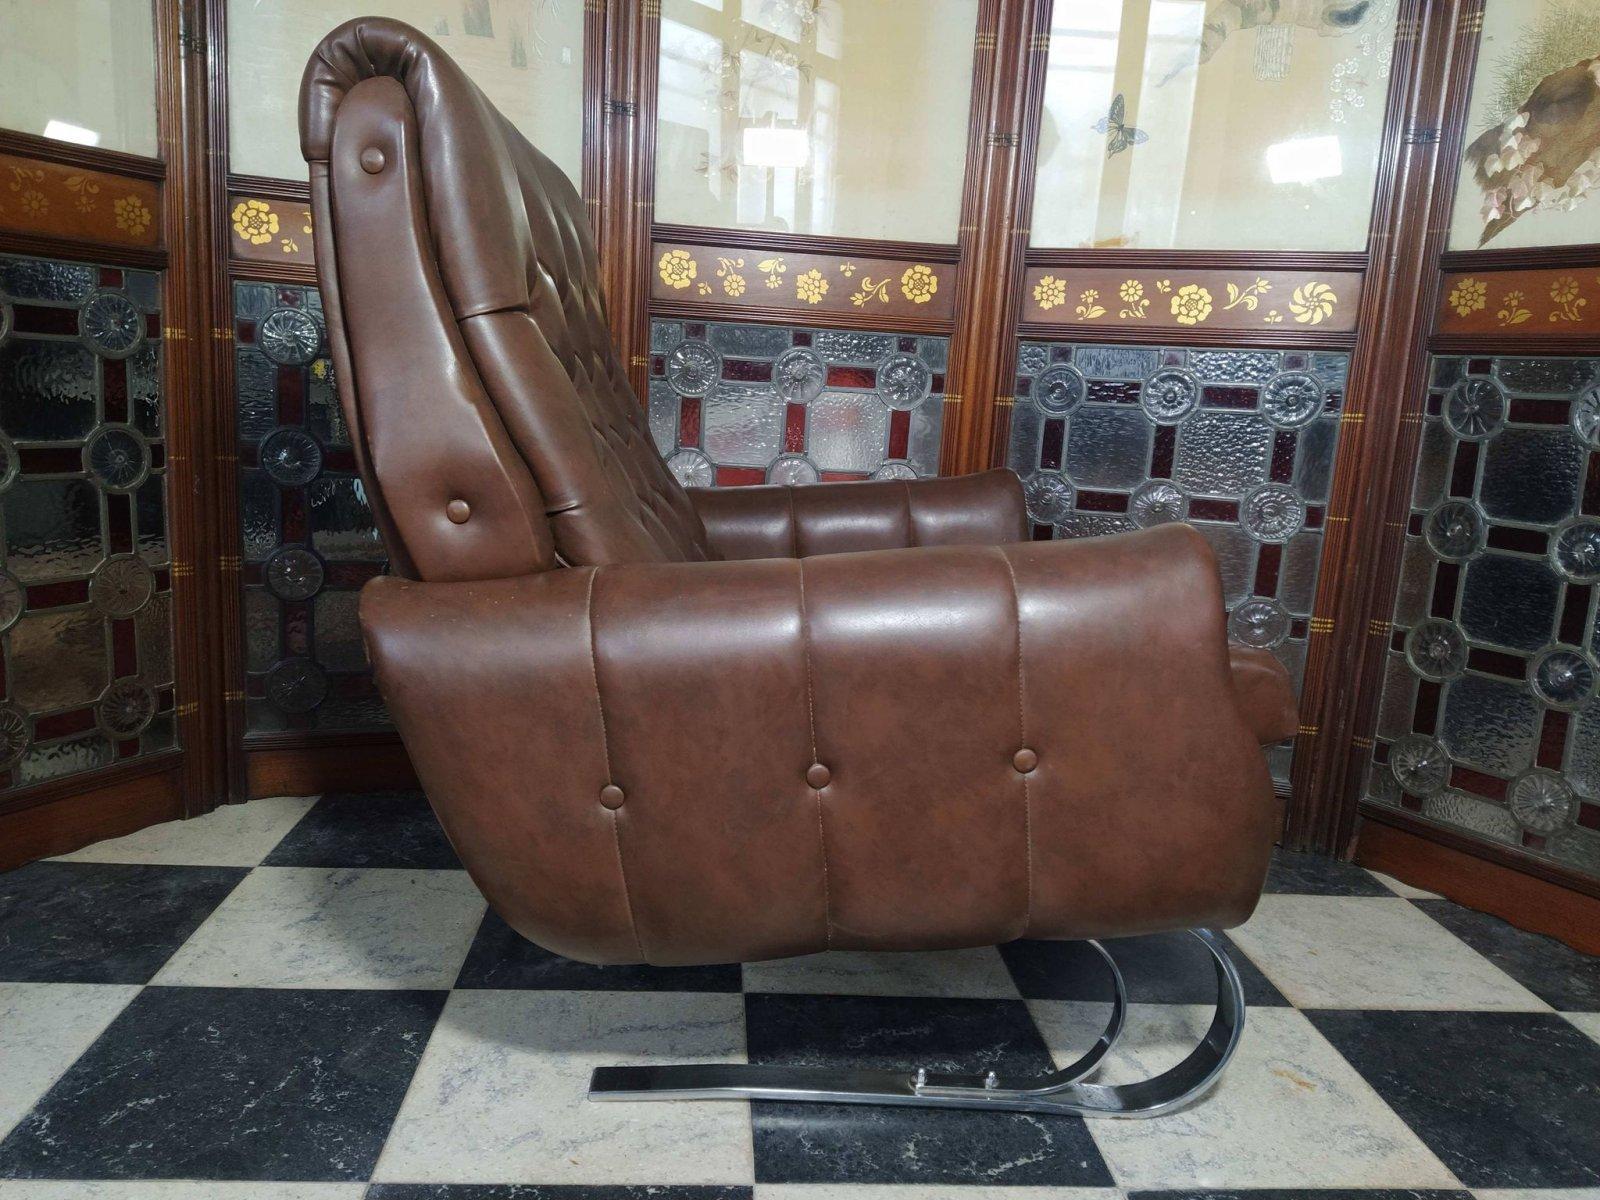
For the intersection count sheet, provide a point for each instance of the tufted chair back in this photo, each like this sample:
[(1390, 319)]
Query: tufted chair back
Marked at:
[(491, 418)]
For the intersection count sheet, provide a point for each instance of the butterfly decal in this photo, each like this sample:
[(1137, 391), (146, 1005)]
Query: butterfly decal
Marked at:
[(1120, 135)]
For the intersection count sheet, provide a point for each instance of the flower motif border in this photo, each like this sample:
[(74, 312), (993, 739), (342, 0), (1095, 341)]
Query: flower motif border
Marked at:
[(1167, 299)]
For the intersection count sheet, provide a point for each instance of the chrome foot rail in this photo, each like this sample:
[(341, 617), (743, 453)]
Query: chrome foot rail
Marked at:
[(1060, 1091)]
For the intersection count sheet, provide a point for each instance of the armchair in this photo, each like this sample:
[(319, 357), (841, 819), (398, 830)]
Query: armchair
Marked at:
[(680, 727)]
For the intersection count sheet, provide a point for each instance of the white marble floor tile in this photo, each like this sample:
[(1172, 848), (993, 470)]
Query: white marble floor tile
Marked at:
[(499, 1096), (1537, 1193), (234, 835), (900, 1191), (1372, 952), (333, 927), (176, 1189), (1402, 889), (1588, 1022), (1289, 1112), (976, 974), (43, 1029)]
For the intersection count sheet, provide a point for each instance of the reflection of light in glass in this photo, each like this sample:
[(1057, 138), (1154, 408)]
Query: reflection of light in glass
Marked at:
[(1304, 160), (776, 147), (61, 131)]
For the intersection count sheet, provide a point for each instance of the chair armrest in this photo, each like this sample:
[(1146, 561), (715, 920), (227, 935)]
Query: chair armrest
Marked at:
[(772, 521), (909, 749), (1265, 694)]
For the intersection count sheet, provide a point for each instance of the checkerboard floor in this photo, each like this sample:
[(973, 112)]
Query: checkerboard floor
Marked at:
[(301, 999)]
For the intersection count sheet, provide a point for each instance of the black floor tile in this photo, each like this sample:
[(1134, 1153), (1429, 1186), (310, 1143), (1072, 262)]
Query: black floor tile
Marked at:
[(551, 1191), (1506, 1100), (230, 1083), (102, 922), (1161, 968), (1562, 977), (828, 1143), (1319, 875), (1306, 1194), (502, 958), (372, 829)]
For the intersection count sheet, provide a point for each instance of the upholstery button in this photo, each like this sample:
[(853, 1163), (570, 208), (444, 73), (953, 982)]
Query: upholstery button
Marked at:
[(1024, 760), (372, 160), (611, 796), (458, 511), (817, 776)]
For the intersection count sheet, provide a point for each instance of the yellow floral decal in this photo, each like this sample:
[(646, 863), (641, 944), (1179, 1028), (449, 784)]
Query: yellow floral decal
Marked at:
[(1468, 296), (1512, 311), (131, 215), (703, 288), (811, 286), (677, 269), (1249, 297), (1191, 304), (1050, 292), (847, 269), (1132, 293), (919, 283), (34, 203), (1163, 285), (870, 290), (255, 222), (1313, 303), (85, 189), (1089, 306), (728, 272), (773, 269), (1564, 295), (1273, 318)]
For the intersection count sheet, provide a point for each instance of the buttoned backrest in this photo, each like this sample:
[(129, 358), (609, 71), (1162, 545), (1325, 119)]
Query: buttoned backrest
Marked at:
[(493, 421)]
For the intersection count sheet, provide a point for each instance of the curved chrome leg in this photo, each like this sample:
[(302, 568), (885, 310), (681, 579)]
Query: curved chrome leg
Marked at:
[(1059, 1092)]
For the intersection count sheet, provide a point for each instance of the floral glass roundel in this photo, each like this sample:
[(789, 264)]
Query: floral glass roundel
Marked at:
[(1272, 513), (799, 375), (289, 336), (121, 585), (692, 469), (111, 325), (1436, 649), (1260, 621), (895, 470), (296, 685), (1575, 550), (1541, 801), (126, 709), (1292, 399), (1158, 502), (1585, 417), (10, 464), (293, 573), (904, 382), (1049, 496), (1475, 409), (1419, 764), (692, 367), (118, 457), (1060, 389), (1455, 530), (16, 731), (1563, 676), (12, 600), (1169, 395), (291, 457), (793, 469)]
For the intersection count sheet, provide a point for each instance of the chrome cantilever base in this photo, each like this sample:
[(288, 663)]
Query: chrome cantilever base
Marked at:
[(1059, 1092)]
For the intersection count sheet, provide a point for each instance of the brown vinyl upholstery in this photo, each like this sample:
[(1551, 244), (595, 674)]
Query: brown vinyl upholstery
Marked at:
[(685, 727)]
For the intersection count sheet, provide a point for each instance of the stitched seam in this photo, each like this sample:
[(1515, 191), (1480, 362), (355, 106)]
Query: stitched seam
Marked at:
[(811, 722), (1022, 726), (794, 530), (911, 521), (605, 749)]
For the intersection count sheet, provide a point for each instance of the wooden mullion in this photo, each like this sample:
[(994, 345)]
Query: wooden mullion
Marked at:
[(1010, 49), (1425, 124)]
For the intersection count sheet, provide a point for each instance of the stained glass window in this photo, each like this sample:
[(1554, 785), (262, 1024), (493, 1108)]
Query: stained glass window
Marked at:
[(86, 586)]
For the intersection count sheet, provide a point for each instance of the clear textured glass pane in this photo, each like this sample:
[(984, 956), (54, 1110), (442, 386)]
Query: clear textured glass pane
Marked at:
[(1114, 362), (1209, 126), (1314, 456), (527, 58), (1416, 583), (848, 431), (825, 117), (1490, 723), (1223, 454), (47, 390), (746, 341), (1297, 579), (338, 639), (58, 660), (1532, 475), (1108, 447), (1234, 366), (927, 429), (839, 346), (261, 629), (1236, 558), (341, 521), (258, 503), (81, 71), (53, 528), (66, 756), (1473, 814), (663, 406), (1399, 698), (1509, 601), (1433, 464), (150, 515), (744, 425), (152, 628), (1545, 376)]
